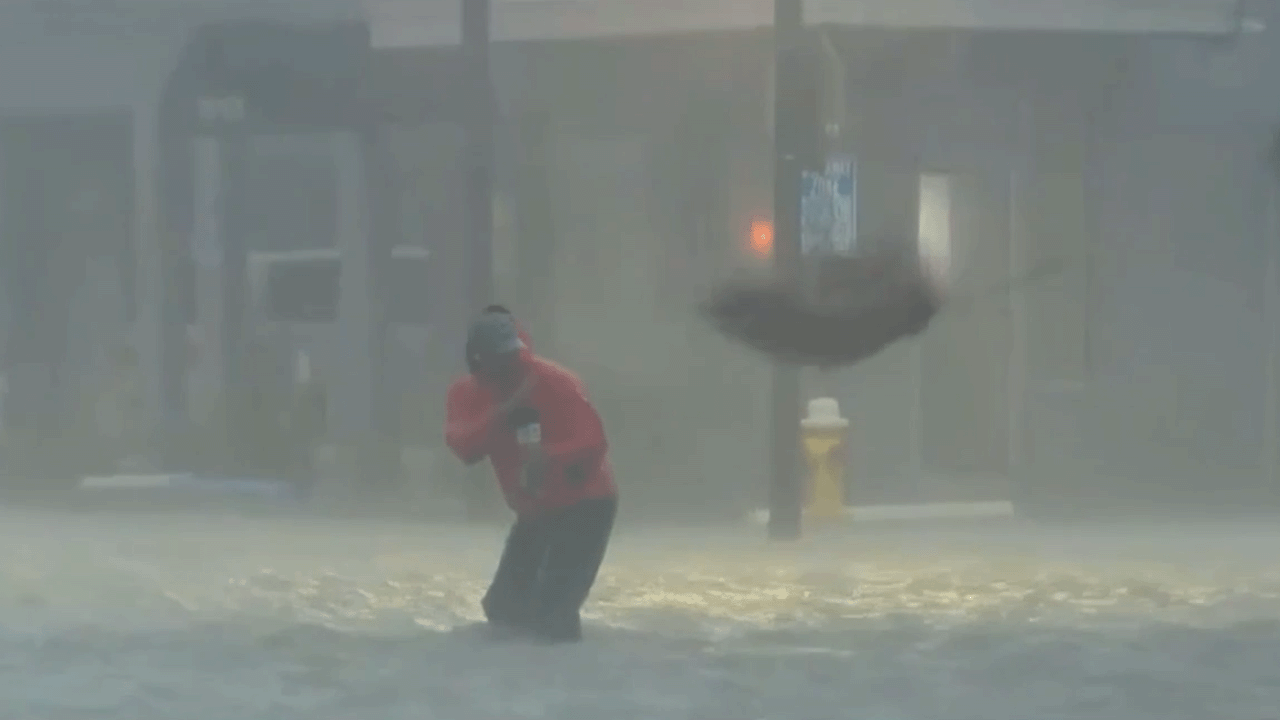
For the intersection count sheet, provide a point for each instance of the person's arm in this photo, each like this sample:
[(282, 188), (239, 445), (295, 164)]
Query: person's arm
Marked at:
[(467, 422), (581, 441), (470, 420)]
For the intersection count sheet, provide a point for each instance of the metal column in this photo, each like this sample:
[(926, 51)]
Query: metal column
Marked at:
[(1020, 176), (219, 248), (361, 387), (160, 325), (233, 153), (1271, 316), (206, 250), (353, 389), (366, 220), (382, 202)]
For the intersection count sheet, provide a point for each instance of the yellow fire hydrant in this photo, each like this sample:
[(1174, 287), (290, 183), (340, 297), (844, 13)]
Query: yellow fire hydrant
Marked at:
[(823, 432)]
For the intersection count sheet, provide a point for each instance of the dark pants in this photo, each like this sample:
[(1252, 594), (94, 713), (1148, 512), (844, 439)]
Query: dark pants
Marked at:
[(547, 569)]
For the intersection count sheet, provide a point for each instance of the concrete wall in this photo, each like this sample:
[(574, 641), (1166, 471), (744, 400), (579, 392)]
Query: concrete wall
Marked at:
[(631, 171), (48, 66), (1180, 404), (1129, 379), (1009, 119), (1144, 375), (51, 67)]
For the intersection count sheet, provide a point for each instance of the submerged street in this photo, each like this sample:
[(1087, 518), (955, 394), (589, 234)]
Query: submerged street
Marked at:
[(150, 616)]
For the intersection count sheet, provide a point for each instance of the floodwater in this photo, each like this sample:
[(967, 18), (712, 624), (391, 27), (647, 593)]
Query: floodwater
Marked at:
[(208, 618)]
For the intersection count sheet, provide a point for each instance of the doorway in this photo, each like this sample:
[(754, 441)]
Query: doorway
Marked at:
[(965, 363)]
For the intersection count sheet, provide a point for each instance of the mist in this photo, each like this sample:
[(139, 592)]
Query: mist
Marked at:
[(232, 298)]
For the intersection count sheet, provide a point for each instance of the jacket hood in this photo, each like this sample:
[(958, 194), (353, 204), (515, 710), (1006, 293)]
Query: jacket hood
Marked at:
[(525, 353), (520, 330)]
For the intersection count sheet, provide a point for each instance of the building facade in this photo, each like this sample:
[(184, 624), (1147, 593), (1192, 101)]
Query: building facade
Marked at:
[(1129, 141)]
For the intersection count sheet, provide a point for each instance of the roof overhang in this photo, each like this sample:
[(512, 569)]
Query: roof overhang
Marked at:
[(416, 23)]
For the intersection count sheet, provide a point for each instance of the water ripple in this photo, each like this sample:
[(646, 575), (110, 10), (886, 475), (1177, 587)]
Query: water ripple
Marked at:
[(202, 619)]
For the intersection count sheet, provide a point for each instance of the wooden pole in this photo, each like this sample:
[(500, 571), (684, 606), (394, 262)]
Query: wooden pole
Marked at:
[(480, 500), (479, 114), (789, 133)]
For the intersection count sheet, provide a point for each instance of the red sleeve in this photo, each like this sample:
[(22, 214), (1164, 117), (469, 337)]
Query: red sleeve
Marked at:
[(467, 419), (582, 436)]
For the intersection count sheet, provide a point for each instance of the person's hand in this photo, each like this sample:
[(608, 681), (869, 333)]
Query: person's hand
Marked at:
[(516, 398), (535, 457), (498, 416)]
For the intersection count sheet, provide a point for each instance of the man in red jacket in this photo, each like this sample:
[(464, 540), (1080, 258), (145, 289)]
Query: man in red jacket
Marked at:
[(532, 419)]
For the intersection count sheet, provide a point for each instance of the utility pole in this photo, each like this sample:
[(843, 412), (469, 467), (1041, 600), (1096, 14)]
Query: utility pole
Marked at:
[(789, 139), (479, 118)]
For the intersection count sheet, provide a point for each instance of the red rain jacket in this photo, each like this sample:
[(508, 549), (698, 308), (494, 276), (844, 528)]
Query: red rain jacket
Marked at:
[(573, 438)]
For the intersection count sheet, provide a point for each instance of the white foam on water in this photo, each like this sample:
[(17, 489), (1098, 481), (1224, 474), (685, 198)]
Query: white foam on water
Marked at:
[(207, 618)]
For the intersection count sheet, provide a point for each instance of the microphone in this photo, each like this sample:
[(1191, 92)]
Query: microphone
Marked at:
[(528, 429)]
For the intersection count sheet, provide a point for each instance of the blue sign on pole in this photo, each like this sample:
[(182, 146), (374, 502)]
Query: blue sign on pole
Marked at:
[(828, 208)]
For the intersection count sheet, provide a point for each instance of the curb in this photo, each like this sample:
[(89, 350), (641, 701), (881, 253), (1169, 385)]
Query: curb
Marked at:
[(922, 512)]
